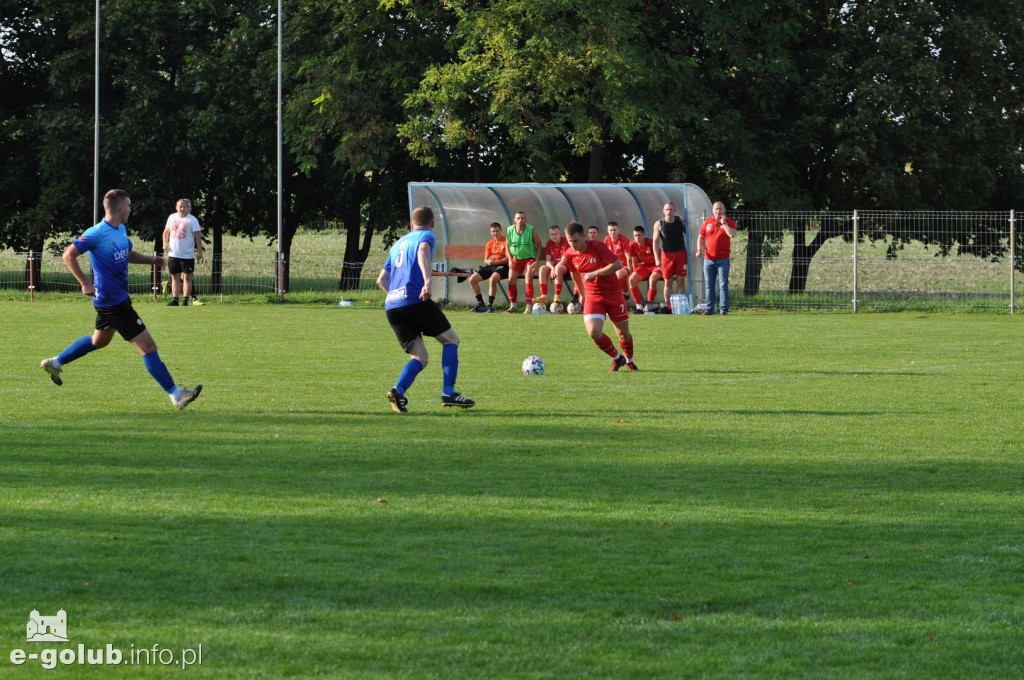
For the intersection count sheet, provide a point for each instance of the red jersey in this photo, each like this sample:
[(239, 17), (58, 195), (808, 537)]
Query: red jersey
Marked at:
[(644, 254), (595, 256), (556, 250), (717, 243), (620, 247)]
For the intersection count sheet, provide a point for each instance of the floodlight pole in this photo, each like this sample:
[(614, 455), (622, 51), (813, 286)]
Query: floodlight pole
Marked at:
[(856, 237), (96, 124), (280, 164), (1013, 265)]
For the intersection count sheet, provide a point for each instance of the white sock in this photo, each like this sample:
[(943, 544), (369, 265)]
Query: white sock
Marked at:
[(174, 395)]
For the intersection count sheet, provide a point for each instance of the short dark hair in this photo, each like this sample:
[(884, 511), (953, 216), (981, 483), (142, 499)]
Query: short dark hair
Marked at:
[(574, 228), (115, 198), (495, 224), (640, 228), (613, 224), (422, 216)]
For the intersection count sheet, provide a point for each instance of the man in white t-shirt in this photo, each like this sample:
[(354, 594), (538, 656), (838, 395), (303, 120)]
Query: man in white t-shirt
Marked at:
[(183, 244)]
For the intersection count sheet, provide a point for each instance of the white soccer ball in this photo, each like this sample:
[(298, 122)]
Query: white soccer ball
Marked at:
[(540, 308), (533, 366), (557, 307), (574, 308)]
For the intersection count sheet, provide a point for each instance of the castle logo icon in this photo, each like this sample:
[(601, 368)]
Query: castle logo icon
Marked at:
[(47, 628)]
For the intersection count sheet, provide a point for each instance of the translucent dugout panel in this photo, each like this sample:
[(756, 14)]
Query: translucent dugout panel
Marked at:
[(464, 212)]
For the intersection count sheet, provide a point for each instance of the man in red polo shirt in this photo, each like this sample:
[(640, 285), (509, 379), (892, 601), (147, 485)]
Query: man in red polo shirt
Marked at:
[(593, 268), (714, 243)]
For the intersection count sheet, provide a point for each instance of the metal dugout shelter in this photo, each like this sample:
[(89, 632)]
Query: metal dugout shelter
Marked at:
[(464, 212)]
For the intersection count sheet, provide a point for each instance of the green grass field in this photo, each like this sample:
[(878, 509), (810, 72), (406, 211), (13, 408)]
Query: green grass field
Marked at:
[(772, 496)]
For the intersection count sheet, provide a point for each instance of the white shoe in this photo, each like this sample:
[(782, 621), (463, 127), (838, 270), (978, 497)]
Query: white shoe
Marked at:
[(50, 367), (186, 396)]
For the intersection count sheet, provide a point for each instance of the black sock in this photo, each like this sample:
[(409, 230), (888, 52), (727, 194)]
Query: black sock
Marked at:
[(490, 300), (480, 299)]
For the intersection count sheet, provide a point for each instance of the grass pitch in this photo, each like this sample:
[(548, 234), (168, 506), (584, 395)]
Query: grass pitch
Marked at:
[(771, 496)]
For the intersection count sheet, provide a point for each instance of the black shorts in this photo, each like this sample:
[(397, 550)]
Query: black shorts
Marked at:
[(122, 318), (178, 265), (487, 271), (412, 322)]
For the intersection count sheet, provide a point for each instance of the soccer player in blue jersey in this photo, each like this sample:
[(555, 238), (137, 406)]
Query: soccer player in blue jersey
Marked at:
[(412, 314), (110, 251)]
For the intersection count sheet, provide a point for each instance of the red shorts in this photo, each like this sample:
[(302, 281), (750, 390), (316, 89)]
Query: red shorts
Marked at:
[(673, 264), (645, 271), (614, 309), (519, 265)]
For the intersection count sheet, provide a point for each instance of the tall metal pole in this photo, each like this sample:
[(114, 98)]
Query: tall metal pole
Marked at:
[(96, 132), (280, 162), (1013, 265), (856, 263)]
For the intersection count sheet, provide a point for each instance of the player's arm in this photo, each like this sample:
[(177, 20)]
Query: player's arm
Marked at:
[(423, 256), (198, 235), (167, 238), (70, 258), (656, 235), (135, 257), (700, 244), (606, 270), (383, 279)]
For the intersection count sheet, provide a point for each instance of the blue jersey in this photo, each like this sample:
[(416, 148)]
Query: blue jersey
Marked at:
[(406, 280), (108, 247)]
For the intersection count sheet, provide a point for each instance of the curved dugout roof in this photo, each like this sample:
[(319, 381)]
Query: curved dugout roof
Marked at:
[(464, 212)]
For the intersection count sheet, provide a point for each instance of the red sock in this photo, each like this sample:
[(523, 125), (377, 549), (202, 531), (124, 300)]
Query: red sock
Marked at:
[(635, 292), (627, 347), (529, 293), (558, 290), (652, 294), (606, 345), (544, 290), (513, 292)]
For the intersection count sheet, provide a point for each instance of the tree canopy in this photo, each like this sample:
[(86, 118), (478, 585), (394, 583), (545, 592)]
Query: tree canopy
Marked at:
[(784, 104)]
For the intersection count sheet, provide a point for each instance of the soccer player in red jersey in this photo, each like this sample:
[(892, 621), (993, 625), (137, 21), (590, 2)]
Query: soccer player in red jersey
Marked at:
[(593, 268), (641, 256), (619, 245), (553, 251)]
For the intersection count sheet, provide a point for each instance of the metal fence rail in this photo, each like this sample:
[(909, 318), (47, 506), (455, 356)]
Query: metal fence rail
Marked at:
[(792, 260)]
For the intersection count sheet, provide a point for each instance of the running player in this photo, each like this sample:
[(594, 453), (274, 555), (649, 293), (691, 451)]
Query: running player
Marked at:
[(641, 255), (412, 314), (593, 268), (110, 251)]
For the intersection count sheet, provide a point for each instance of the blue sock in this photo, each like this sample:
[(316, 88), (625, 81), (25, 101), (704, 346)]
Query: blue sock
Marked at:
[(450, 367), (158, 370), (411, 369), (76, 350)]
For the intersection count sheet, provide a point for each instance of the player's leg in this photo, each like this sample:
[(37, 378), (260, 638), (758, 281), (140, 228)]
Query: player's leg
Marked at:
[(531, 266), (76, 350), (710, 272), (513, 287), (187, 285), (652, 286), (450, 370), (545, 278), (634, 289)]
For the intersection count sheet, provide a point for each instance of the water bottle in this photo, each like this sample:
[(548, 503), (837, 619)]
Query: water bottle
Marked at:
[(680, 303)]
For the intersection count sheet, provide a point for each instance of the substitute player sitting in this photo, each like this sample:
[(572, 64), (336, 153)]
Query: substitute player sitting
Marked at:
[(524, 248), (641, 262), (553, 269), (494, 270), (593, 266), (619, 245)]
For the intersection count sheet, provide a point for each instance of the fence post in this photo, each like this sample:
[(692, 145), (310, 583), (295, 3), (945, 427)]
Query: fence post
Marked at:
[(1013, 265), (856, 221), (31, 277)]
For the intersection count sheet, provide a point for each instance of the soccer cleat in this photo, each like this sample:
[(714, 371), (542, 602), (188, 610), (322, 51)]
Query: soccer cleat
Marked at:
[(631, 366), (618, 363), (489, 310), (184, 303), (512, 310), (456, 400), (196, 302), (173, 303), (481, 308), (47, 365), (398, 401), (187, 396)]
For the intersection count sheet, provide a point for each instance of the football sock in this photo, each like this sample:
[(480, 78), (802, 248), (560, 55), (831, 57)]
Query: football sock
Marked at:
[(76, 350), (449, 367), (513, 292), (480, 299), (409, 372), (558, 290), (544, 290), (158, 369), (635, 292), (490, 300), (606, 345), (627, 348), (652, 294), (529, 292)]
